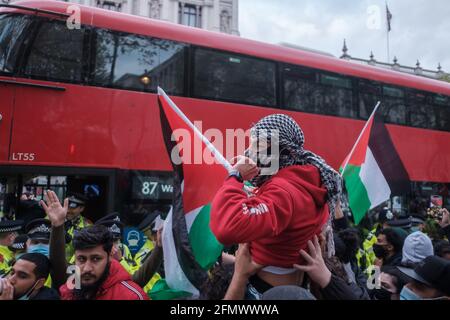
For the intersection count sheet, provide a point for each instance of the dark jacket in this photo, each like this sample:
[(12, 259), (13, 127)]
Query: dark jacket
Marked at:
[(338, 289), (393, 261), (46, 294)]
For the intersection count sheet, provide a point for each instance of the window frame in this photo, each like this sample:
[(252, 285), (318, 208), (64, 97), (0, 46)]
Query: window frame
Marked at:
[(316, 81), (93, 61), (192, 73), (24, 46), (27, 52)]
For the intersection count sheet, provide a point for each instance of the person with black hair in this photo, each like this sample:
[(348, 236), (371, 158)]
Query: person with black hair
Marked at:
[(442, 249), (388, 248), (346, 247), (27, 278), (219, 278), (98, 275), (102, 277)]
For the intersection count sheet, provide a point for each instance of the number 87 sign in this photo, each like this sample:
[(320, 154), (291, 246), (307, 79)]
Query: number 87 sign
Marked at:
[(151, 187)]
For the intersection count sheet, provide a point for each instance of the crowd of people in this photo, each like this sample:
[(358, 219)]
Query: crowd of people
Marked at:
[(286, 237)]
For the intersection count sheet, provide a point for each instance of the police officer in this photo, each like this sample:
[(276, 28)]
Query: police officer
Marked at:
[(366, 256), (149, 227), (8, 232), (19, 246), (75, 219), (120, 251), (38, 233)]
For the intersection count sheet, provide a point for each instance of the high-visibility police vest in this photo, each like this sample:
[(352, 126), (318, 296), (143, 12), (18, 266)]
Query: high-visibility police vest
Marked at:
[(6, 257), (81, 224), (365, 256), (143, 251), (127, 260), (140, 256)]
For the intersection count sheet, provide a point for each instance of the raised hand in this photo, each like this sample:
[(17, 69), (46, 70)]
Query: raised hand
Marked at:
[(246, 167), (8, 290), (445, 218), (315, 265), (244, 265), (55, 211)]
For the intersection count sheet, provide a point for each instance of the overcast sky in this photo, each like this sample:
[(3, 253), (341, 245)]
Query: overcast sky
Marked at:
[(420, 28)]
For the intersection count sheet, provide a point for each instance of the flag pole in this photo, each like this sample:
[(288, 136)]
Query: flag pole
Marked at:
[(388, 57), (224, 162), (359, 138)]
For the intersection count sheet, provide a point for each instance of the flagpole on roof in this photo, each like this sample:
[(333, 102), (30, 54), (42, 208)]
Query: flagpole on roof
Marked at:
[(359, 138)]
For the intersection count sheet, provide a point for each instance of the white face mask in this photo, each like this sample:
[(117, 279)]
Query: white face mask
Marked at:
[(27, 295)]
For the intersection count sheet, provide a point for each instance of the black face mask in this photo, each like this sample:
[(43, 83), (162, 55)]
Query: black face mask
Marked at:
[(379, 251), (382, 294), (262, 159)]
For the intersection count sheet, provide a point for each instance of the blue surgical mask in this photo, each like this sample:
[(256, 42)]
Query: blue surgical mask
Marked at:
[(27, 295), (39, 248), (414, 229), (408, 294)]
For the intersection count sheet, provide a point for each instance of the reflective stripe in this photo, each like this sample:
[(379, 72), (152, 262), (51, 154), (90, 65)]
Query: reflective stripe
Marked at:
[(133, 289)]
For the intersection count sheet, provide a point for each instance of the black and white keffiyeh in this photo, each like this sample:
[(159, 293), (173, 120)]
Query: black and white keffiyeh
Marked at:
[(291, 152)]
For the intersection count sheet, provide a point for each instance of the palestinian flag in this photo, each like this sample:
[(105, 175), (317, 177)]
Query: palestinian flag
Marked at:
[(373, 171), (190, 248)]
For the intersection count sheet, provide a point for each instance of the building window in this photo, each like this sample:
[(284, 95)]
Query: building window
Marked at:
[(190, 15), (109, 5)]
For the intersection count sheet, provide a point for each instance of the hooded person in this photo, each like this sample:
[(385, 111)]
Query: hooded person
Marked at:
[(417, 246), (292, 202)]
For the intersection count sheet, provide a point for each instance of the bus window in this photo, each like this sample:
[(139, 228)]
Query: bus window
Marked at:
[(299, 85), (11, 36), (136, 62), (393, 105), (444, 117), (57, 53), (442, 107), (422, 114), (336, 96), (369, 95), (229, 77)]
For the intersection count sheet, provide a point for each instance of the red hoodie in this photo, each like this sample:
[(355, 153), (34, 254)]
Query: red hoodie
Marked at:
[(117, 286), (285, 212)]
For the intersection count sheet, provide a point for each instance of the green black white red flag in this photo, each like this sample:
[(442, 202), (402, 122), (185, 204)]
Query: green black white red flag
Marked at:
[(373, 170), (190, 248)]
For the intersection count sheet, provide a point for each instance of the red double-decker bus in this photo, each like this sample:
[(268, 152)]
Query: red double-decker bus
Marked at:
[(79, 107)]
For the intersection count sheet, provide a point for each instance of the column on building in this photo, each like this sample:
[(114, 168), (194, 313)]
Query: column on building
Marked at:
[(215, 17), (205, 14), (235, 18)]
